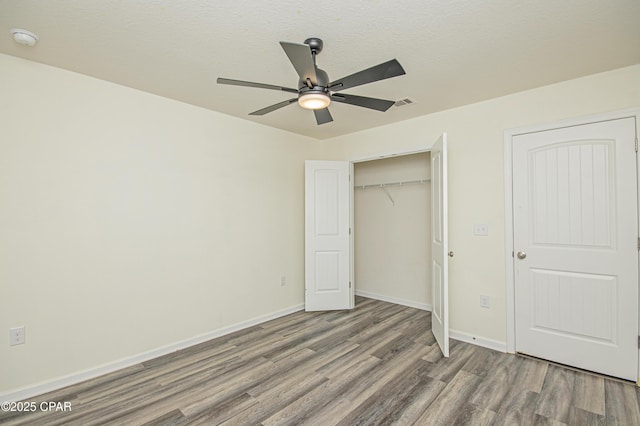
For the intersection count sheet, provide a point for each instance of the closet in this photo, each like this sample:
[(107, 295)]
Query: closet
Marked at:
[(392, 220)]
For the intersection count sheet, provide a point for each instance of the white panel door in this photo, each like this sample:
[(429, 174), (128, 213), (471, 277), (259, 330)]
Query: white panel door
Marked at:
[(575, 240), (327, 236), (440, 245)]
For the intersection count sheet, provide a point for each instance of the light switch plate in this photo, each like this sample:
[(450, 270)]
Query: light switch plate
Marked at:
[(485, 301), (481, 229)]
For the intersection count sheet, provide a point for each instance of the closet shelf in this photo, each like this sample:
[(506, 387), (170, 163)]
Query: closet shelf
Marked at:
[(383, 186)]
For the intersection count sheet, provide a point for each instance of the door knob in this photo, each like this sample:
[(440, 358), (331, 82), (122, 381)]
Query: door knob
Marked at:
[(521, 255)]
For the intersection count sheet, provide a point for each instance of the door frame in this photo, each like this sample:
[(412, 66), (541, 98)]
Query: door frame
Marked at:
[(508, 198), (363, 160)]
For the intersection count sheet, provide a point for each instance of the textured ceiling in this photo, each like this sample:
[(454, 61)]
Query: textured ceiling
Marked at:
[(455, 52)]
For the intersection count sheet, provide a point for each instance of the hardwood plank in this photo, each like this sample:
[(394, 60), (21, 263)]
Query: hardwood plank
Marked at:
[(582, 417), (192, 400), (556, 395), (378, 327), (518, 408), (589, 393), (497, 385), (277, 398), (531, 373), (298, 372), (344, 363), (363, 387), (172, 418), (387, 404), (243, 383), (447, 406), (484, 362), (300, 410), (621, 403), (447, 368), (417, 402), (218, 413), (473, 415), (395, 346)]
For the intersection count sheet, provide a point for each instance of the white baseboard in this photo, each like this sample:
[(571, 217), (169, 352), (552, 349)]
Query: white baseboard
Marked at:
[(479, 341), (397, 301), (71, 379)]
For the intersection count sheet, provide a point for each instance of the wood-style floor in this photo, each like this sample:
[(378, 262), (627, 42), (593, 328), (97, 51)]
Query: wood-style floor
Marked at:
[(377, 364)]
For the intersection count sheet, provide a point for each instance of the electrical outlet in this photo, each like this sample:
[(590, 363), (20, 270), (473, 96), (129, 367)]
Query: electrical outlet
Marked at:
[(16, 336), (283, 280), (485, 301), (481, 229)]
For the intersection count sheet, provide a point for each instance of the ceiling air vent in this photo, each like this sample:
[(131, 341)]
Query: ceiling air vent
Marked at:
[(403, 102)]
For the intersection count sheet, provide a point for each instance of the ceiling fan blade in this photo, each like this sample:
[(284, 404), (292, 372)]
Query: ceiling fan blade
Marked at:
[(252, 84), (383, 71), (362, 101), (322, 116), (274, 107), (302, 60)]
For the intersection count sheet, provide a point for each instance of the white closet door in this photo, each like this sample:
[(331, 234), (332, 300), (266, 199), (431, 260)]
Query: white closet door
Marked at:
[(440, 245), (327, 236)]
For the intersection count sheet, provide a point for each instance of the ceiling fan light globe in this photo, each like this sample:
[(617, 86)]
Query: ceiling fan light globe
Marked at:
[(314, 100)]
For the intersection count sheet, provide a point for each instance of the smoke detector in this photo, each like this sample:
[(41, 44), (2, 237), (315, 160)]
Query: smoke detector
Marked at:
[(24, 37)]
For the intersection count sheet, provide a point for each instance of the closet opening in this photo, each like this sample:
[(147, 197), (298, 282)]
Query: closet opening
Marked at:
[(392, 221)]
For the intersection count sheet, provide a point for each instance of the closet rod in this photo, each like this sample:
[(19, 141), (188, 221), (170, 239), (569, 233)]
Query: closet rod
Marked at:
[(382, 185)]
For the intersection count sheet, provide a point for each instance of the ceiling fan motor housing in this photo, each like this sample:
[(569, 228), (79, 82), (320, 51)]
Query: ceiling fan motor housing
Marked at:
[(322, 82)]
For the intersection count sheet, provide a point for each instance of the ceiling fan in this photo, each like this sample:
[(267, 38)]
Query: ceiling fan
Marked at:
[(315, 91)]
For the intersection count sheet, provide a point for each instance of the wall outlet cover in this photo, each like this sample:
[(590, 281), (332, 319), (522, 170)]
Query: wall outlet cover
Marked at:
[(16, 336)]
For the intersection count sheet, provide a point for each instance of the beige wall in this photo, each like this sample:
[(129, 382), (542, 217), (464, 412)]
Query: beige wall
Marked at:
[(476, 184), (129, 222), (392, 240)]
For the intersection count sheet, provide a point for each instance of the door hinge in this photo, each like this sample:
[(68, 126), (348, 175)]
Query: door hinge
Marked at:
[(638, 342), (636, 144), (638, 243), (350, 287), (350, 234)]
